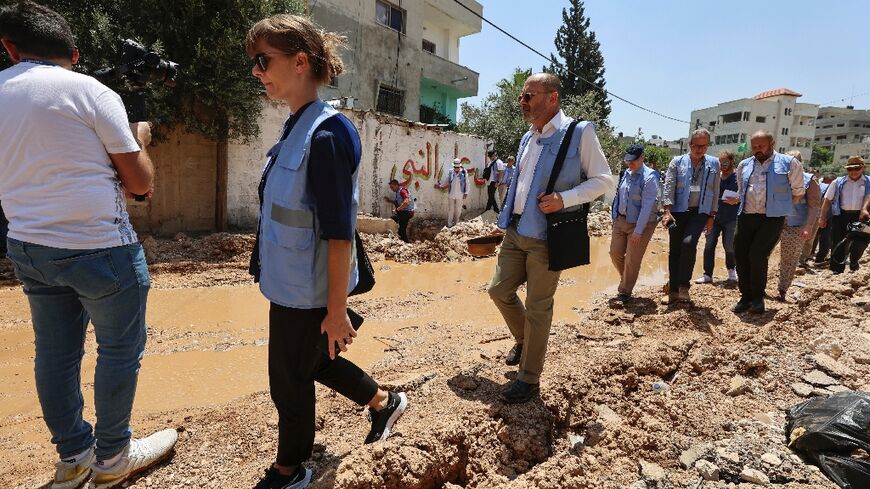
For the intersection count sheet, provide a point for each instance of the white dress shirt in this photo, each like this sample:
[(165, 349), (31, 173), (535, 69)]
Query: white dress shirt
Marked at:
[(852, 194), (594, 166)]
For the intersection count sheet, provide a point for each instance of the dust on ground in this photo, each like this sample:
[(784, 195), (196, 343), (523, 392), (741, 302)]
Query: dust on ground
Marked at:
[(597, 424)]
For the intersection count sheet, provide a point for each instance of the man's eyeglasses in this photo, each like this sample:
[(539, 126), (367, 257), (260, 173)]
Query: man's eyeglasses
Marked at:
[(526, 96), (693, 145)]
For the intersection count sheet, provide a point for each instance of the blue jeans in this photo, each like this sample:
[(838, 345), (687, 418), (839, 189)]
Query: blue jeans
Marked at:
[(66, 289), (727, 232)]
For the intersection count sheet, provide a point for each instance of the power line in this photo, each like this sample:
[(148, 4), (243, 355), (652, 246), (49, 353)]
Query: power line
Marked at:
[(608, 92), (844, 98)]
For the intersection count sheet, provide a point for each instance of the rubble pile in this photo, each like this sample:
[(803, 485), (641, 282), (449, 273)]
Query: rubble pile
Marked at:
[(444, 245)]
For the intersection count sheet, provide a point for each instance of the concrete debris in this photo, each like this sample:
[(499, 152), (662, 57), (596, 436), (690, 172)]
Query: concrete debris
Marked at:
[(819, 379), (802, 389), (754, 476), (771, 459), (693, 454), (827, 344), (708, 470), (738, 386), (832, 367)]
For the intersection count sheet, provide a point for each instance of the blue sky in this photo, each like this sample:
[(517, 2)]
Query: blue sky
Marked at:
[(675, 56)]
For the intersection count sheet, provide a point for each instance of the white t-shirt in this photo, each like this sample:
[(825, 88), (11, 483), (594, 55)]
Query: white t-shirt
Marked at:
[(497, 167), (58, 186)]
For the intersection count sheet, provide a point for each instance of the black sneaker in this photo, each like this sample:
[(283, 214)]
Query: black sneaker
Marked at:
[(513, 357), (383, 420), (757, 306), (275, 480), (742, 305), (519, 392)]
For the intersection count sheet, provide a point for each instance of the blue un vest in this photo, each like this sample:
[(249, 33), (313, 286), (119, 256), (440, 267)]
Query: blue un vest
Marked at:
[(398, 199), (683, 184), (778, 187), (463, 181), (293, 257), (635, 195), (801, 208), (533, 223), (838, 192)]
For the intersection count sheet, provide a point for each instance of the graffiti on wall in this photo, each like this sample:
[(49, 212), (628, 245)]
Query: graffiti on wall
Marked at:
[(428, 167)]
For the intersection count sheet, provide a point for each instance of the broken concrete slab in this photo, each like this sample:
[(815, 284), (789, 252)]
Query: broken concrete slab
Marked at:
[(708, 470), (802, 389), (819, 379), (832, 367), (754, 476)]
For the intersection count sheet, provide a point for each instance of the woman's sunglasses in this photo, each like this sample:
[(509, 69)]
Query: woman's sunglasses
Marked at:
[(261, 60)]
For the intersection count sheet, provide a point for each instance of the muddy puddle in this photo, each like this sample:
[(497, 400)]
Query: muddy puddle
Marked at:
[(206, 346)]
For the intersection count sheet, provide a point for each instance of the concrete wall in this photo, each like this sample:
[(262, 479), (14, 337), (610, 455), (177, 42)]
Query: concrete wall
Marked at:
[(392, 148), (184, 187)]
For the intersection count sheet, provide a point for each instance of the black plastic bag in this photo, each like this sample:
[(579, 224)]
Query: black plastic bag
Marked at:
[(827, 431)]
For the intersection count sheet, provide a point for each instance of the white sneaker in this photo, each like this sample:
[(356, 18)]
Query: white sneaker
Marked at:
[(732, 275), (70, 474), (704, 279), (138, 456)]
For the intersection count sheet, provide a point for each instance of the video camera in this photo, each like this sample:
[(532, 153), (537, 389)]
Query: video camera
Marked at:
[(139, 67)]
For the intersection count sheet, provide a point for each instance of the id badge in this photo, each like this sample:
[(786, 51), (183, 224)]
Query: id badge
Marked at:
[(695, 188)]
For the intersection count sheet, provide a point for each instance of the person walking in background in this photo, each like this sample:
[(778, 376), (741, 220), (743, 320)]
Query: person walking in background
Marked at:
[(798, 229), (822, 242), (510, 170), (691, 201), (403, 207), (769, 183), (67, 158), (634, 219), (724, 223), (456, 183), (304, 258), (524, 256), (495, 169), (845, 198), (809, 245)]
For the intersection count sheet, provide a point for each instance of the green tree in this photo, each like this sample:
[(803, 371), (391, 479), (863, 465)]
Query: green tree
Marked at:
[(215, 94), (822, 160), (582, 66)]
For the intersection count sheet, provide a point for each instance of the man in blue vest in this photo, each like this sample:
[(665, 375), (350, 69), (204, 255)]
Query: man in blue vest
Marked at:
[(509, 170), (822, 242), (690, 200), (496, 171), (524, 257), (634, 219), (403, 207), (769, 184), (456, 183), (845, 197)]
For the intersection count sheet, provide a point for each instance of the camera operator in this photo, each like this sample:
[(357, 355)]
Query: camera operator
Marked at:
[(67, 157)]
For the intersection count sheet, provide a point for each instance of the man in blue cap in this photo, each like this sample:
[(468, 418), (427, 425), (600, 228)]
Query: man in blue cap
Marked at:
[(634, 219)]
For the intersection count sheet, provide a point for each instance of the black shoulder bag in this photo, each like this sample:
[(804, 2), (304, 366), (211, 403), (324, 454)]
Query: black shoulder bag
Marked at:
[(567, 235), (365, 271)]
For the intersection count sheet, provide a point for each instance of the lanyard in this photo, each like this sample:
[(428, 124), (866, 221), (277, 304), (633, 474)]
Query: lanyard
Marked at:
[(38, 62)]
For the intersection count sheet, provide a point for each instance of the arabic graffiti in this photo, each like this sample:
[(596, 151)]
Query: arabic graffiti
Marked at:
[(428, 168)]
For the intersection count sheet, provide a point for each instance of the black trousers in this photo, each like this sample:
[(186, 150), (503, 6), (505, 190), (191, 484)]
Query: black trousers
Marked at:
[(4, 228), (490, 197), (296, 361), (822, 243), (754, 240), (854, 250), (402, 217), (683, 247)]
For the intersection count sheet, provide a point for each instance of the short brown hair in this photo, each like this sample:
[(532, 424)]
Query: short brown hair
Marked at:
[(294, 34), (728, 155)]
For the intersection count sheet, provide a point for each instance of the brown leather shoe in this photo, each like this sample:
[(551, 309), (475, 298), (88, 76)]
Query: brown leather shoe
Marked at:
[(669, 299)]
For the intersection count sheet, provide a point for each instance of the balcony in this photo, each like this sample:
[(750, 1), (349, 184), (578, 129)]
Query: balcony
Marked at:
[(449, 75)]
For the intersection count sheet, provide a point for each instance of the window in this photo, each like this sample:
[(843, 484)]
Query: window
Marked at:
[(428, 46), (792, 141), (828, 138), (841, 124), (787, 111), (785, 131), (841, 138), (390, 16), (746, 116), (742, 137), (390, 100), (856, 125), (827, 127), (761, 119), (733, 117), (781, 150)]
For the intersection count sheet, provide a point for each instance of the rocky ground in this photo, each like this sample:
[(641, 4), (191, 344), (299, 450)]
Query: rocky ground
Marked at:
[(598, 423)]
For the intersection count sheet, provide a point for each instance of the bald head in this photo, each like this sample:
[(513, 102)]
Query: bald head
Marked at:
[(548, 81), (762, 134)]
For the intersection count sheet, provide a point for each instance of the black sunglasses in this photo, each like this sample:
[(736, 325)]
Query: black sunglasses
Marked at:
[(262, 61)]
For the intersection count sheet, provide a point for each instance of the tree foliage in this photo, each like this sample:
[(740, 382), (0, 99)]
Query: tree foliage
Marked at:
[(582, 65), (499, 119), (215, 95), (822, 160)]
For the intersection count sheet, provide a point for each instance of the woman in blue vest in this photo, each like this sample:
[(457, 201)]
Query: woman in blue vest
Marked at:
[(304, 258), (798, 229)]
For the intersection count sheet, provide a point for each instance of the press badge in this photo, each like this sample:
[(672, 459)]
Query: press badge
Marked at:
[(695, 188)]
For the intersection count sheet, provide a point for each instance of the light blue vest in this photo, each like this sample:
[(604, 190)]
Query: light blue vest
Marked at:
[(633, 207), (533, 223), (398, 199), (293, 257), (463, 181), (683, 184), (779, 202), (801, 208), (838, 192)]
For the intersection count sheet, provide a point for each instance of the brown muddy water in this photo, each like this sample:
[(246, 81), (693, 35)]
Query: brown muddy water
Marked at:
[(207, 346)]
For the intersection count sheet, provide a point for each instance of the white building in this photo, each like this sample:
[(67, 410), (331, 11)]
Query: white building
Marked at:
[(403, 56), (732, 123), (837, 126)]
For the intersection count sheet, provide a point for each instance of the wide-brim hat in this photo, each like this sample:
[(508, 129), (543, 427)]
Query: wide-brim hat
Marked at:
[(855, 162), (457, 163)]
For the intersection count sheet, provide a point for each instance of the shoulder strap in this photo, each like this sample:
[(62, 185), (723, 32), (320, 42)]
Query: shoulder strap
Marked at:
[(560, 156)]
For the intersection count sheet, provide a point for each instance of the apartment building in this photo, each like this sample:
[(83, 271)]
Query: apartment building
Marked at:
[(732, 123), (838, 126), (402, 56)]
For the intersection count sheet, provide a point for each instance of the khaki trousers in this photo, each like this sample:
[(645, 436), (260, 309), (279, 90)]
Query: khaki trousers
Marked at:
[(626, 257), (525, 260)]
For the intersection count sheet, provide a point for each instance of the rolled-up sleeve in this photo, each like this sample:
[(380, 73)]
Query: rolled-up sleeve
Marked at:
[(796, 178), (670, 182), (594, 165)]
